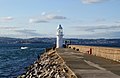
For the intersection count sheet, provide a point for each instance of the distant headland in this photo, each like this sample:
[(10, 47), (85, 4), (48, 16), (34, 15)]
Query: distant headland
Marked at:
[(76, 41)]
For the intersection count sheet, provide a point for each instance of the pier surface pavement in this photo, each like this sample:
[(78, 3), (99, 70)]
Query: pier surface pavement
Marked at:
[(89, 66)]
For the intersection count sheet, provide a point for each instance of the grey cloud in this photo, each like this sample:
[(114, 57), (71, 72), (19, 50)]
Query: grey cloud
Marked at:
[(8, 27), (102, 31), (92, 1), (24, 33), (37, 21), (117, 21), (29, 32), (54, 17), (6, 19), (97, 35), (50, 16), (100, 20), (46, 18), (113, 34), (93, 28)]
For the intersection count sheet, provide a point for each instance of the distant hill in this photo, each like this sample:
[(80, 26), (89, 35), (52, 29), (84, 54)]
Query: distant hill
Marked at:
[(7, 40), (90, 42), (97, 42)]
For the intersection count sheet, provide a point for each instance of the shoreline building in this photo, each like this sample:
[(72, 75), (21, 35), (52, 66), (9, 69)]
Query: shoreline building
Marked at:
[(59, 43)]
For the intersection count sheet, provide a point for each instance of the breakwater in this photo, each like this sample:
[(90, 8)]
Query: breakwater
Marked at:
[(49, 65), (105, 52)]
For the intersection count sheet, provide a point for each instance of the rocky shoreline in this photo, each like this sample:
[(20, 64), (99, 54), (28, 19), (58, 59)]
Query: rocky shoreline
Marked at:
[(49, 65)]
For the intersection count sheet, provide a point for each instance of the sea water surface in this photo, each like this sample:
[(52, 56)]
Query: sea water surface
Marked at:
[(13, 59)]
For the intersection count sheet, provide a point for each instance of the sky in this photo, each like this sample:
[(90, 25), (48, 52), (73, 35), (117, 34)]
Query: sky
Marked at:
[(86, 19)]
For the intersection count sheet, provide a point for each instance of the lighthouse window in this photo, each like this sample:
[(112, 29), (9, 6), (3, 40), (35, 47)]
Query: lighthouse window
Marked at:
[(60, 30)]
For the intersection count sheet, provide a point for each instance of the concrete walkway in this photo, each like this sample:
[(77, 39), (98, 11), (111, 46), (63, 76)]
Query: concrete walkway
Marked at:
[(89, 66)]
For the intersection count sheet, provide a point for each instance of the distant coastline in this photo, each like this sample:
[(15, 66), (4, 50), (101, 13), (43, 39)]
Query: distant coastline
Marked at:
[(75, 41)]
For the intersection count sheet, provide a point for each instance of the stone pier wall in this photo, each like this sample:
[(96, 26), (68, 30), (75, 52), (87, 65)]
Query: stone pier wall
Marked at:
[(108, 53), (49, 65)]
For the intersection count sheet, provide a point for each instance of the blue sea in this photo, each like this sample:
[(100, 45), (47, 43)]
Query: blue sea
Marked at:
[(14, 60)]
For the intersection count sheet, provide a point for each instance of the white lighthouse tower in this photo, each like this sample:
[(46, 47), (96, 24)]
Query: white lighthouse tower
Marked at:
[(59, 43)]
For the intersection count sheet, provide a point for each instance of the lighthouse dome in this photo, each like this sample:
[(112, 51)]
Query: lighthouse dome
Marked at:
[(59, 26)]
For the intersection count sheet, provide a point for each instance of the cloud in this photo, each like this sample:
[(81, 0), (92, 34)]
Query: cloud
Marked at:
[(113, 34), (46, 18), (92, 1), (37, 20), (6, 19), (7, 27), (43, 13), (107, 35), (101, 31), (52, 17), (27, 32), (100, 20), (118, 21), (23, 33), (96, 28)]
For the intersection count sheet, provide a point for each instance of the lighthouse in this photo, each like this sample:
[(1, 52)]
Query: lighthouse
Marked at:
[(59, 43)]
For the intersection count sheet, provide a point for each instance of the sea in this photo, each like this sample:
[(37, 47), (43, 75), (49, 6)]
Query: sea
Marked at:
[(14, 60)]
